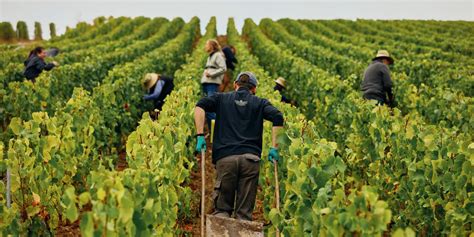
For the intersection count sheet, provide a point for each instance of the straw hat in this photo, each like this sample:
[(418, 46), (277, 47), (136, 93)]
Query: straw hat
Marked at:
[(150, 80), (281, 81), (383, 54)]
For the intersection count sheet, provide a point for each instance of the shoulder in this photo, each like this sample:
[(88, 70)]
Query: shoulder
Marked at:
[(36, 60), (380, 65), (261, 101), (219, 55)]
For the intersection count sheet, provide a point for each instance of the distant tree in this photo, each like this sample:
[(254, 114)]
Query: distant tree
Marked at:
[(99, 20), (22, 31), (38, 31), (52, 30), (6, 31)]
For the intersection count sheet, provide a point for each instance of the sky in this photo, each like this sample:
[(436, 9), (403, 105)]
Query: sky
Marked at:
[(69, 12)]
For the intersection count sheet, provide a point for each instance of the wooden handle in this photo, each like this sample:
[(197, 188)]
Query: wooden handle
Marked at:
[(203, 191), (277, 192)]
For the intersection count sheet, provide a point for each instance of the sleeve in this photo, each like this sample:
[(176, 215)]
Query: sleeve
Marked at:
[(41, 65), (221, 66), (156, 92), (387, 81), (209, 104), (272, 114)]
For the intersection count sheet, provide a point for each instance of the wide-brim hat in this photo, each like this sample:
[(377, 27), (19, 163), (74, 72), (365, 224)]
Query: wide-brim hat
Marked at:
[(281, 81), (150, 80), (384, 54)]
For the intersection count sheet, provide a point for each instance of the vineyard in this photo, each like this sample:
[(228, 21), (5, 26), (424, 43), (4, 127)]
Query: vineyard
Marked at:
[(84, 157)]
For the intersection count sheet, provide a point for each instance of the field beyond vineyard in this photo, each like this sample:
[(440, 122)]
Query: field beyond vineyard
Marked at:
[(85, 158)]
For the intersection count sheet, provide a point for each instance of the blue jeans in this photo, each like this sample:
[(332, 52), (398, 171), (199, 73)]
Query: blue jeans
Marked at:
[(209, 90)]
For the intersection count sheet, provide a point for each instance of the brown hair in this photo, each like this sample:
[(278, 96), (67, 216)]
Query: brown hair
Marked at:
[(35, 51), (215, 45)]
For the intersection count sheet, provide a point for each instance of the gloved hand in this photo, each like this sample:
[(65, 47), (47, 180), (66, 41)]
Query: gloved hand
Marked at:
[(201, 144), (273, 155)]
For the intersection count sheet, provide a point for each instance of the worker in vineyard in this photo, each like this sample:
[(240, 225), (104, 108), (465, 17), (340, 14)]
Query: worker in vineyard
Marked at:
[(157, 88), (280, 86), (35, 64), (213, 73), (237, 144), (377, 84), (229, 53)]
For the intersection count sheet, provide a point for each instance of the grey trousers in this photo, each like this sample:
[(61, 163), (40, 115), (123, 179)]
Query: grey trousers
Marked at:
[(236, 185)]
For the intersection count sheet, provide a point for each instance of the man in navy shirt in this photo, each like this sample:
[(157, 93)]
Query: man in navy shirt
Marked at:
[(237, 144)]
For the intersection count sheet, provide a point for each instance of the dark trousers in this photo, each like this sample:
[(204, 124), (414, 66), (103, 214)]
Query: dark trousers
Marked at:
[(236, 185)]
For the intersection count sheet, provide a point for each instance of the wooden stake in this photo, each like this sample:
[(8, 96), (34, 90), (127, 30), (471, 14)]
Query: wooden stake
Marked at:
[(277, 192), (203, 191)]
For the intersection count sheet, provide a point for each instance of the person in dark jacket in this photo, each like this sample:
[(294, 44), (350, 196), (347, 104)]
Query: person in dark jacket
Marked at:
[(229, 53), (237, 144), (157, 87), (377, 84), (35, 64), (280, 86)]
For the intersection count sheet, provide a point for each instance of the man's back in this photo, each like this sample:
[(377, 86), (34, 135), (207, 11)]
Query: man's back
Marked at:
[(377, 81), (239, 122)]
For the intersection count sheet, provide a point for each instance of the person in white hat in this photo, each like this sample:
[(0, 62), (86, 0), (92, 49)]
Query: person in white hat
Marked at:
[(377, 84), (157, 87), (280, 86)]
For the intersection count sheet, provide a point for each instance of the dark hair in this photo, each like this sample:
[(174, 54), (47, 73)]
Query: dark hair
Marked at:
[(36, 51), (244, 81)]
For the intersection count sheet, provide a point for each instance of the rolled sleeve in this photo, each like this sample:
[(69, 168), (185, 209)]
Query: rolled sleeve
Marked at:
[(387, 81), (208, 104), (272, 114)]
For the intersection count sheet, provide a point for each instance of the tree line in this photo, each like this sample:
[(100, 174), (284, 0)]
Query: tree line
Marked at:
[(8, 33)]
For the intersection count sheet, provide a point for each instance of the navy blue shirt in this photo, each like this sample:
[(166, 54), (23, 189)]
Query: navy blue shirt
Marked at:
[(239, 122)]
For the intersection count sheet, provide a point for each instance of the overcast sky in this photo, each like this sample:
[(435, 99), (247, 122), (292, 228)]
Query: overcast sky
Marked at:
[(69, 12)]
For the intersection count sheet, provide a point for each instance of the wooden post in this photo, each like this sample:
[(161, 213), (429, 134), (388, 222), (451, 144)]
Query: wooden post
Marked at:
[(203, 191), (277, 192)]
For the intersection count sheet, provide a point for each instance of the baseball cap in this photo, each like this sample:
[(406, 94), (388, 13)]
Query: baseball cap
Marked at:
[(252, 79)]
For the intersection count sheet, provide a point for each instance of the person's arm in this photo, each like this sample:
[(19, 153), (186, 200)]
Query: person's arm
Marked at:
[(275, 131), (199, 118), (41, 65), (220, 61), (156, 92), (206, 104), (272, 114), (387, 83)]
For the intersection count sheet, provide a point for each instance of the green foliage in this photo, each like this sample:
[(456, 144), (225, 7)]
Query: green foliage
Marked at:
[(400, 155), (52, 30), (6, 31), (22, 31), (348, 167), (38, 31)]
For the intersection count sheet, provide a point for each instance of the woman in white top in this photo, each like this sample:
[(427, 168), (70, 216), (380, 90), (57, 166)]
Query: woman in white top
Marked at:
[(213, 72)]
